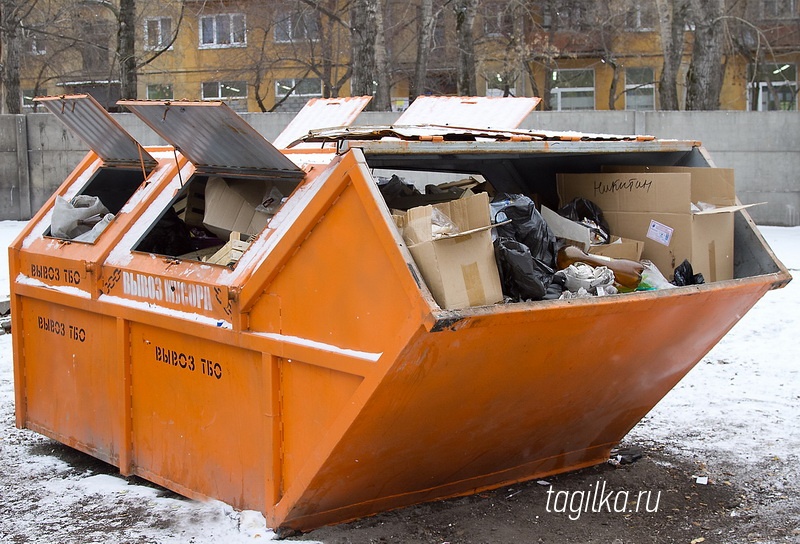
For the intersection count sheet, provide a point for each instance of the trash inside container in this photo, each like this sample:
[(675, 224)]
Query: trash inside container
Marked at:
[(251, 326)]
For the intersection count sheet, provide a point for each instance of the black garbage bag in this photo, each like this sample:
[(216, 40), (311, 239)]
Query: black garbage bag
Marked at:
[(684, 275), (521, 276), (170, 236), (589, 214), (527, 226)]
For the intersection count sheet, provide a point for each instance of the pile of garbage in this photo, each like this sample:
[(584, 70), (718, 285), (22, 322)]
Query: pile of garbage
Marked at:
[(532, 262)]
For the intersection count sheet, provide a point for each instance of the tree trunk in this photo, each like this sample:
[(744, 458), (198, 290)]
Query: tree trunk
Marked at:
[(126, 49), (704, 80), (466, 84), (383, 92), (427, 23), (672, 21), (363, 46), (10, 47)]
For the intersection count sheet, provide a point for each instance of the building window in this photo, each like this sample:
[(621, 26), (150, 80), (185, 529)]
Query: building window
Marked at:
[(572, 90), (496, 86), (157, 32), (773, 87), (569, 15), (292, 94), (778, 9), (224, 90), (297, 26), (640, 89), (641, 16), (160, 91), (27, 100), (497, 19), (223, 30)]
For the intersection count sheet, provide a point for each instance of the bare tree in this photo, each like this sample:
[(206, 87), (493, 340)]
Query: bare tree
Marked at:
[(364, 29), (465, 11), (706, 70), (426, 25), (672, 17), (12, 12)]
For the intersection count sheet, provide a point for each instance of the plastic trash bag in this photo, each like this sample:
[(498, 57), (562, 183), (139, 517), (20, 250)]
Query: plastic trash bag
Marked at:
[(71, 218), (91, 235), (522, 277), (581, 279), (684, 275), (527, 226), (652, 278), (441, 225), (588, 214)]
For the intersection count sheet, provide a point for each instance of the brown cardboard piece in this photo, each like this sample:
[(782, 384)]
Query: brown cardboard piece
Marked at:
[(231, 205), (459, 269), (619, 248), (655, 206)]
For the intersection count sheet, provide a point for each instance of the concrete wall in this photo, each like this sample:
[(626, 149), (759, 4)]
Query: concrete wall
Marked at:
[(762, 147)]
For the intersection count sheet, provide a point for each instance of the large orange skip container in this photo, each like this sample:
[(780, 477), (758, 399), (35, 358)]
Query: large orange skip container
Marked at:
[(316, 379)]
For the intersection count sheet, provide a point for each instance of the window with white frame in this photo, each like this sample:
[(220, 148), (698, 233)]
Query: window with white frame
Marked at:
[(642, 16), (497, 18), (640, 89), (297, 26), (224, 90), (160, 91), (496, 85), (778, 9), (773, 87), (292, 94), (27, 99), (572, 90), (223, 30), (157, 32)]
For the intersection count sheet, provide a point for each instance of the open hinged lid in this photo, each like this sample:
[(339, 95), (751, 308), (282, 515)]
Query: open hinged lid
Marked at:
[(94, 125), (215, 138), (321, 113), (469, 111)]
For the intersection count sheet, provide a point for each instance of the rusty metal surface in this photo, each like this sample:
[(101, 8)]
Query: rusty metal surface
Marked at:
[(212, 136), (469, 111), (92, 123), (320, 113), (439, 133)]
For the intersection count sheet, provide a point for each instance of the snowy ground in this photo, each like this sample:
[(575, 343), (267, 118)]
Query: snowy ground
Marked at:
[(736, 417)]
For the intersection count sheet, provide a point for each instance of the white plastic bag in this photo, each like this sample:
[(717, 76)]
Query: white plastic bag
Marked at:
[(76, 217)]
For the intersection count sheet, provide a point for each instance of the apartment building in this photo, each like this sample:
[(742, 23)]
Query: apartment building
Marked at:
[(274, 56)]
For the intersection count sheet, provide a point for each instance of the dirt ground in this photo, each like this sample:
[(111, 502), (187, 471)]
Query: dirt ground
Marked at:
[(756, 504), (735, 506)]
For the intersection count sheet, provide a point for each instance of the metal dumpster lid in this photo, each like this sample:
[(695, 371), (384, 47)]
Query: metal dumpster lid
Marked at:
[(214, 137), (436, 133), (84, 116), (482, 112), (320, 113)]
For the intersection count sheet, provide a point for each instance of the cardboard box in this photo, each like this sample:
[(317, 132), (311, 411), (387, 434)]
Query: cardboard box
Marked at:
[(231, 205), (459, 269), (568, 230), (656, 207), (619, 248)]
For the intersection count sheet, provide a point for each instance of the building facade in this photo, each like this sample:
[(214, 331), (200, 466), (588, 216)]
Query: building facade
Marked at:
[(274, 56)]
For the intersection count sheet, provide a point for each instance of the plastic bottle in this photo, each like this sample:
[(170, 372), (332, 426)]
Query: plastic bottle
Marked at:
[(627, 273)]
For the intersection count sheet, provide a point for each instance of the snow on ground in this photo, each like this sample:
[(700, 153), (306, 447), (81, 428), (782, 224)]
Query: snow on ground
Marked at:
[(739, 407)]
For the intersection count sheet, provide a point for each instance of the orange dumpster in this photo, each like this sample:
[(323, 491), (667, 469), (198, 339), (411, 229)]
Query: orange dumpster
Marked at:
[(298, 363)]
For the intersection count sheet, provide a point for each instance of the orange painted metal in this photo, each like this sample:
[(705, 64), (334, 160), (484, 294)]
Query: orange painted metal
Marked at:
[(318, 381)]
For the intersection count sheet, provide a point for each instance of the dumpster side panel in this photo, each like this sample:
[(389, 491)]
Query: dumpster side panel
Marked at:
[(346, 284), (73, 377), (200, 416), (512, 395), (311, 400)]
